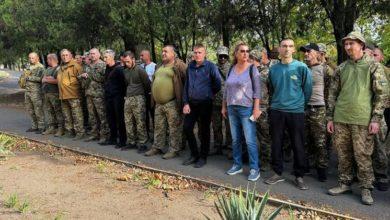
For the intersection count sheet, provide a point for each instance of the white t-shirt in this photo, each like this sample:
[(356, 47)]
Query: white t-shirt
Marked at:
[(150, 68)]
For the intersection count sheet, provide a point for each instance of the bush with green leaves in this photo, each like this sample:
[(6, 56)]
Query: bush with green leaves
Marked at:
[(244, 206)]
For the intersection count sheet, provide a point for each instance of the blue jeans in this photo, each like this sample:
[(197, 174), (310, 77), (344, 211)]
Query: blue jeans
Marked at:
[(239, 121)]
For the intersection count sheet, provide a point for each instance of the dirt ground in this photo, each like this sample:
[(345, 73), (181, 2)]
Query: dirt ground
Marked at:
[(62, 188)]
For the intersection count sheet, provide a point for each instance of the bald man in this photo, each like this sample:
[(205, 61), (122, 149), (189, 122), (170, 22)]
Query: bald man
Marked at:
[(31, 81), (94, 90)]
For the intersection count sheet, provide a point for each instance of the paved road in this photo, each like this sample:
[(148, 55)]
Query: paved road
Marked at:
[(17, 121), (10, 84)]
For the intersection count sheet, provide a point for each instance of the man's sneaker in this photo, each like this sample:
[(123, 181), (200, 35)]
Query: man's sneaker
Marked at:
[(340, 189), (152, 152), (234, 170), (366, 197), (274, 179), (300, 184), (254, 175)]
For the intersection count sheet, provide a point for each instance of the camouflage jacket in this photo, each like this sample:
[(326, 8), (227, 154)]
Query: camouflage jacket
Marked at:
[(94, 84), (377, 84), (264, 101), (223, 69), (34, 75), (328, 75)]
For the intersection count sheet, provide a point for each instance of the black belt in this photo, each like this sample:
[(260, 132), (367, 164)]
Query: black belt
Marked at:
[(315, 106)]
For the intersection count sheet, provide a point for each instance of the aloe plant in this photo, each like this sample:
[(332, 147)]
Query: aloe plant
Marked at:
[(244, 206)]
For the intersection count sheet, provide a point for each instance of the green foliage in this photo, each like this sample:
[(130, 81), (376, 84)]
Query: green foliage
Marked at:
[(48, 26), (24, 207), (11, 201), (6, 144), (244, 206)]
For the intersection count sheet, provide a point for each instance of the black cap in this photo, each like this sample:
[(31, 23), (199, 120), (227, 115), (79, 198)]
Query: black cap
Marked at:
[(309, 46)]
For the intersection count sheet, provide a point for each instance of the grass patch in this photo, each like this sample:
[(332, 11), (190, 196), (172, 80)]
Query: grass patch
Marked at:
[(6, 144), (101, 167), (11, 201), (24, 207)]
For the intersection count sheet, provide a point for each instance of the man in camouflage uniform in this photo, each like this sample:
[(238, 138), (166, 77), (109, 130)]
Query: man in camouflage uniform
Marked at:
[(380, 156), (167, 90), (262, 124), (216, 118), (31, 81), (94, 91), (52, 103), (316, 111), (86, 66), (138, 86), (356, 102), (69, 91)]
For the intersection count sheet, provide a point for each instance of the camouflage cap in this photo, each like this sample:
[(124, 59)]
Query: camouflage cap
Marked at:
[(256, 54), (222, 50), (322, 47), (355, 35)]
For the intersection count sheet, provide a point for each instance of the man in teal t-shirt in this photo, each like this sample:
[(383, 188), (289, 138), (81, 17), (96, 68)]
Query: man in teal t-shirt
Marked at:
[(356, 102), (290, 87)]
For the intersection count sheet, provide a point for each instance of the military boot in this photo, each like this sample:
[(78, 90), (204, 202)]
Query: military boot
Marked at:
[(91, 138), (79, 136), (60, 132), (49, 130), (340, 189), (69, 134), (366, 197)]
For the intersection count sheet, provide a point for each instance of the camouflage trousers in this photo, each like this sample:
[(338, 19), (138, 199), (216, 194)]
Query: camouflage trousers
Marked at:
[(354, 143), (316, 136), (168, 115), (218, 130), (73, 114), (33, 103), (380, 156), (135, 118), (97, 117), (53, 111), (262, 131)]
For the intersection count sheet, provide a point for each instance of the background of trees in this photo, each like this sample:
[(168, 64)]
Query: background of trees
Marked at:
[(50, 25)]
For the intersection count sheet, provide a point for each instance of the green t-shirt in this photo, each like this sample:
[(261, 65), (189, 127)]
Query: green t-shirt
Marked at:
[(162, 87)]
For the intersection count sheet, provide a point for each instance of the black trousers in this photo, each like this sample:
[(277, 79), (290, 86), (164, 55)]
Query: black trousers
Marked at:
[(116, 118), (200, 112), (295, 125)]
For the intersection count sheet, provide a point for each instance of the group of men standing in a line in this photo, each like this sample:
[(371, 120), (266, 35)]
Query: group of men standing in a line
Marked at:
[(123, 98)]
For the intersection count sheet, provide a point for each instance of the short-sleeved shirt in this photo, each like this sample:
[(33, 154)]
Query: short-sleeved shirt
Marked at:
[(239, 89), (162, 87), (48, 87), (150, 68)]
